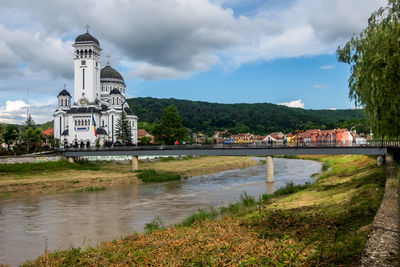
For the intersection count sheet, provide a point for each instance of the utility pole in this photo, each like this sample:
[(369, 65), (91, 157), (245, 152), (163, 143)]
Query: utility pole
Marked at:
[(27, 107)]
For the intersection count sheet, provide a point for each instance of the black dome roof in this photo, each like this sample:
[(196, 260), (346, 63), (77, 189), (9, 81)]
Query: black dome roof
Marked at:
[(115, 91), (101, 131), (86, 38), (64, 93), (109, 74)]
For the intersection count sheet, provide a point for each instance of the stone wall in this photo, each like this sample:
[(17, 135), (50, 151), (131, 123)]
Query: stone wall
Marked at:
[(29, 159), (382, 248)]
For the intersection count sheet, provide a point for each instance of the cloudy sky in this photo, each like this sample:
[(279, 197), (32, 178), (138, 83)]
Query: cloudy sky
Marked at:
[(226, 51)]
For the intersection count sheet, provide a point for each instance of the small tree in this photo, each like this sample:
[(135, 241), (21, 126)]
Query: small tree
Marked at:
[(123, 129), (29, 123), (38, 137), (28, 137), (145, 139), (10, 135), (170, 129)]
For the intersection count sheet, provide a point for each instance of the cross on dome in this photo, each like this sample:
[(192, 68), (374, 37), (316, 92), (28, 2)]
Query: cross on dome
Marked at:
[(87, 28)]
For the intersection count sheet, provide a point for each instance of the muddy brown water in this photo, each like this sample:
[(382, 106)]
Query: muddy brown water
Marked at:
[(30, 225)]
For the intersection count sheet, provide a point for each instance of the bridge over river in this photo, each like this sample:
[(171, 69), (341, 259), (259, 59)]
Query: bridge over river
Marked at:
[(268, 151)]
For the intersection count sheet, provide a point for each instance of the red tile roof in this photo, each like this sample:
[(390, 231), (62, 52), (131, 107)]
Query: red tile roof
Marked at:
[(142, 132), (48, 132)]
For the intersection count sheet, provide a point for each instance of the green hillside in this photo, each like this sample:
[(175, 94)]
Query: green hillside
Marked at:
[(258, 118)]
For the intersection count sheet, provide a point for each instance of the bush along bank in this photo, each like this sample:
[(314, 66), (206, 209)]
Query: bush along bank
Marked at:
[(150, 175), (325, 223)]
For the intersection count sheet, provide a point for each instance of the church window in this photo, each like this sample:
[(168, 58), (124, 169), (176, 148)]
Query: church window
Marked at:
[(97, 64), (75, 123), (83, 62), (83, 78)]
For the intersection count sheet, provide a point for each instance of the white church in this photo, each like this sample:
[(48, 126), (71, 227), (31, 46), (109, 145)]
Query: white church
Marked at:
[(99, 99)]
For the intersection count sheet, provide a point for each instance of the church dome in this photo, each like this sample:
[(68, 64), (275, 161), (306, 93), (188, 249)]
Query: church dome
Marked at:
[(86, 38), (109, 74), (64, 93)]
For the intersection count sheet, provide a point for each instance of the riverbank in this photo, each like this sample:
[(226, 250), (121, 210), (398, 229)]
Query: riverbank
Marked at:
[(62, 176), (325, 223)]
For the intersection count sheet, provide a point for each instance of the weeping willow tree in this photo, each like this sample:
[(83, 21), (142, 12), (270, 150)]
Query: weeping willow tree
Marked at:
[(374, 56)]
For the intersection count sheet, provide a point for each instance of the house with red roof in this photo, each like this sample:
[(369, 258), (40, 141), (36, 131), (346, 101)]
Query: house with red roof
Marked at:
[(142, 133)]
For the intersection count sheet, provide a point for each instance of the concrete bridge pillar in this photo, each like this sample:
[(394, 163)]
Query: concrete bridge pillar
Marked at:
[(270, 169), (135, 163)]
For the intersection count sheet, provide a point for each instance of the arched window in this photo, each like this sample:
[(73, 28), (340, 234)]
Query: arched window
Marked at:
[(75, 123)]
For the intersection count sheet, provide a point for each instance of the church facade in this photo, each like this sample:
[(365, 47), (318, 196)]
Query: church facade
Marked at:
[(99, 99)]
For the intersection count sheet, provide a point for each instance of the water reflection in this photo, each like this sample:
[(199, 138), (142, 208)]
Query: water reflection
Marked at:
[(29, 225)]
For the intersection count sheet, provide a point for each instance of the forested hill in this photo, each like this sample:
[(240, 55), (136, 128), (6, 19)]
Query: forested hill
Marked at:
[(260, 118)]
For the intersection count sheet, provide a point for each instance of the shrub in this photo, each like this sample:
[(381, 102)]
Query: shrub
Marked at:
[(201, 215), (150, 175), (246, 200), (155, 225)]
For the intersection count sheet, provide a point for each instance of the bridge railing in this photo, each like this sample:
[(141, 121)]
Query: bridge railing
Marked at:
[(280, 145)]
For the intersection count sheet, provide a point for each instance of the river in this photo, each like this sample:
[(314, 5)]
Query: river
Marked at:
[(30, 225)]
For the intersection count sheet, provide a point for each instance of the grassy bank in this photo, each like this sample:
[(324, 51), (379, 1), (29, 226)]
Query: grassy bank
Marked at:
[(325, 223), (62, 176)]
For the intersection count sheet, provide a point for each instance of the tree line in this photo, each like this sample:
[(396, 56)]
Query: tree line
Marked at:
[(22, 139), (261, 118)]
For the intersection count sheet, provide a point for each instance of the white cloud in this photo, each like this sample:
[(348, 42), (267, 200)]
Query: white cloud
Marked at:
[(14, 105), (150, 72), (333, 109), (327, 67), (15, 111), (174, 38), (293, 104), (320, 86)]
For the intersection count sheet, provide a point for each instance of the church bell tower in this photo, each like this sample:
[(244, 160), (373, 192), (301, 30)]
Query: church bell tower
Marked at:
[(86, 69)]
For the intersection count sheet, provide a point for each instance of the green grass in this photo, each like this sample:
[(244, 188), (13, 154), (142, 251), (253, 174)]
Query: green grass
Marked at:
[(150, 175), (321, 224), (21, 168), (155, 225), (166, 159), (200, 215)]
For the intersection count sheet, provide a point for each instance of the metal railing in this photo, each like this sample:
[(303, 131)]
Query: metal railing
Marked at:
[(297, 145)]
